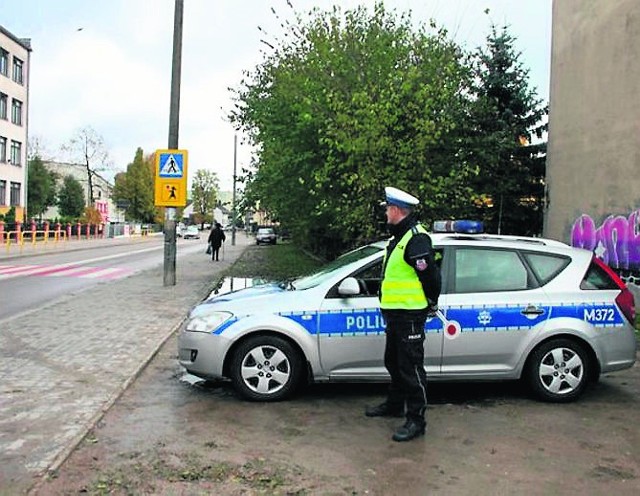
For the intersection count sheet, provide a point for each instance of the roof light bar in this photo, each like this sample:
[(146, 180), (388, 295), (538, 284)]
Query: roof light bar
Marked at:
[(465, 226)]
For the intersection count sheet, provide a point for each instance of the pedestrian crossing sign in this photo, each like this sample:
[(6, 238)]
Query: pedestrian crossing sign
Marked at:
[(171, 178)]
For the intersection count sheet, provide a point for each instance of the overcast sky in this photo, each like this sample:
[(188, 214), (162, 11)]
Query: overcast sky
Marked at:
[(107, 64)]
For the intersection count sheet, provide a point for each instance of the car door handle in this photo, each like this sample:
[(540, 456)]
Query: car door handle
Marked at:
[(532, 310)]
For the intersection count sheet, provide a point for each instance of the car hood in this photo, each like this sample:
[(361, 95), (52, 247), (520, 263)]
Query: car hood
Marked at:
[(270, 297)]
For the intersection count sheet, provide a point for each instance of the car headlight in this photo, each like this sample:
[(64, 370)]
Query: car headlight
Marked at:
[(207, 323)]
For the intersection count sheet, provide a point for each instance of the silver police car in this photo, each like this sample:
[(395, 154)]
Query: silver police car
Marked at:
[(511, 308)]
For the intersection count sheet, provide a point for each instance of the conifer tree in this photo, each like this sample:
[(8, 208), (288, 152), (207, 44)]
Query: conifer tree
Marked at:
[(510, 124), (41, 189), (71, 198)]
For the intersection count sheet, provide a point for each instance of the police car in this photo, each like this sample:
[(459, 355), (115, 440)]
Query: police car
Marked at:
[(511, 308)]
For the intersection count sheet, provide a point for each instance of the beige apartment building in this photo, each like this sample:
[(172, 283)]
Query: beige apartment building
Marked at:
[(14, 98), (593, 157), (102, 190)]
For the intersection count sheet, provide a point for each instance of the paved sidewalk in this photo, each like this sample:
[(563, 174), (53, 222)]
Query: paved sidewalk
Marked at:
[(64, 365)]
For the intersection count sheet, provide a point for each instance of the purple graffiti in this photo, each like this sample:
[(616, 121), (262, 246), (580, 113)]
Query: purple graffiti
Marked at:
[(616, 241)]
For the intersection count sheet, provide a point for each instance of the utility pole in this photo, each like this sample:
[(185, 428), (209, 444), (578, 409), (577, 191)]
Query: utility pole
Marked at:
[(233, 197), (174, 125)]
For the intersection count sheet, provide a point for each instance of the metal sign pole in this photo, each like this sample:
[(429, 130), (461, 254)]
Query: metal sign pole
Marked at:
[(233, 198), (174, 125)]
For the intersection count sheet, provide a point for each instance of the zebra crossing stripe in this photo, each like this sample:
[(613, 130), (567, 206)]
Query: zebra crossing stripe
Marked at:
[(74, 271), (62, 270), (108, 273)]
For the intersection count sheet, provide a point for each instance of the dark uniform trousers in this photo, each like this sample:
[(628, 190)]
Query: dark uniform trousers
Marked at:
[(404, 359)]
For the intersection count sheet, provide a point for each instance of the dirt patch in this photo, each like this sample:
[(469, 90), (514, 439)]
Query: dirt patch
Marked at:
[(170, 437)]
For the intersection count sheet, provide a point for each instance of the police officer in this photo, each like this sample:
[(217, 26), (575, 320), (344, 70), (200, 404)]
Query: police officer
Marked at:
[(409, 294)]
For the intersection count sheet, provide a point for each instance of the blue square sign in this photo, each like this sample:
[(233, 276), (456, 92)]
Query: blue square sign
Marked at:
[(171, 165)]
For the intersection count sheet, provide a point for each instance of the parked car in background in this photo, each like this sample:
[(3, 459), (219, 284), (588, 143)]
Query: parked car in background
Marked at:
[(191, 232), (511, 308), (266, 235)]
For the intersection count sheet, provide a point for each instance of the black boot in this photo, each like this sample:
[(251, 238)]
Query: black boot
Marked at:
[(384, 410), (411, 429)]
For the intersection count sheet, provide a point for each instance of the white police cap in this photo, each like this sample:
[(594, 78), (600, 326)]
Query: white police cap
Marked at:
[(399, 198)]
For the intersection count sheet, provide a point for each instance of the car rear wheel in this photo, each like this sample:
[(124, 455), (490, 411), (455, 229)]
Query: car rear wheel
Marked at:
[(266, 368), (558, 370)]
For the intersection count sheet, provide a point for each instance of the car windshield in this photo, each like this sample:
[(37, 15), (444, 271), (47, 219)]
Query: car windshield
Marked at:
[(327, 270), (265, 231)]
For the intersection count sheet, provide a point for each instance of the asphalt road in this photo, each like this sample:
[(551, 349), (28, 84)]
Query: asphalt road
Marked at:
[(31, 281)]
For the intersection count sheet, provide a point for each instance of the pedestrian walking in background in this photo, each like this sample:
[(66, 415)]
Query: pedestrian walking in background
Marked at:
[(408, 296), (216, 238)]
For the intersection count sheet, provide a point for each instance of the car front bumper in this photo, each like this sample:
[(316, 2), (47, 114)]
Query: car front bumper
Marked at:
[(202, 354)]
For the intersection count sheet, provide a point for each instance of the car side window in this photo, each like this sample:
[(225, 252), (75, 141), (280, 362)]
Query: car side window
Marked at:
[(479, 270), (370, 279), (546, 266), (597, 278)]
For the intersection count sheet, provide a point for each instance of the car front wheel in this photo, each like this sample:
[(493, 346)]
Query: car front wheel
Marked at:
[(266, 368), (558, 370)]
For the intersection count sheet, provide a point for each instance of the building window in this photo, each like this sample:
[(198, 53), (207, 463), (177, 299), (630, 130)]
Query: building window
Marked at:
[(17, 70), (3, 192), (15, 195), (16, 112), (16, 152), (4, 99), (4, 62), (3, 149)]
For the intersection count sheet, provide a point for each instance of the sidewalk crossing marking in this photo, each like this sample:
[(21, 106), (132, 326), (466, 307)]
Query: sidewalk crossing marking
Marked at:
[(63, 270)]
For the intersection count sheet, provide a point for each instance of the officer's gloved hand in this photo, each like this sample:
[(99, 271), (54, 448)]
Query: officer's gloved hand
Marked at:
[(432, 308)]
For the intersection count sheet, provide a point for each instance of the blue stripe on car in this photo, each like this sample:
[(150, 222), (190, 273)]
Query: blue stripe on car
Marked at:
[(480, 318)]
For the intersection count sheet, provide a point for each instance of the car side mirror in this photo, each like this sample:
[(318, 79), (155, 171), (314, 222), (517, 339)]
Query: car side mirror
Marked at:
[(349, 287)]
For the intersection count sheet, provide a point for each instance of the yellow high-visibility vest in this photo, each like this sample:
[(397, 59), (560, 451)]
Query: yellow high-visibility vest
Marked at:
[(401, 287)]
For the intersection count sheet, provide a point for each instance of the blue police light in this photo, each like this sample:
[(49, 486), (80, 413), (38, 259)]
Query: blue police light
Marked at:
[(465, 226)]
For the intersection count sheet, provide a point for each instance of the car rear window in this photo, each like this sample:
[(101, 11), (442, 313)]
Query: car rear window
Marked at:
[(597, 278), (546, 266)]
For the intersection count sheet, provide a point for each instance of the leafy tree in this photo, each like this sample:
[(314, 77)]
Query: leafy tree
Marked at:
[(88, 148), (510, 122), (204, 193), (41, 187), (9, 216), (347, 104), (134, 188), (71, 198)]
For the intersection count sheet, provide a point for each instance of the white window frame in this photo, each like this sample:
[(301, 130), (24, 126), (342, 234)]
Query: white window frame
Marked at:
[(3, 149), (4, 62), (3, 192), (16, 153), (16, 112), (18, 70), (14, 195), (4, 106)]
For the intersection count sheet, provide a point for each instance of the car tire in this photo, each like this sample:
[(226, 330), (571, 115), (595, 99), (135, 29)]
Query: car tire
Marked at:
[(558, 370), (266, 368)]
